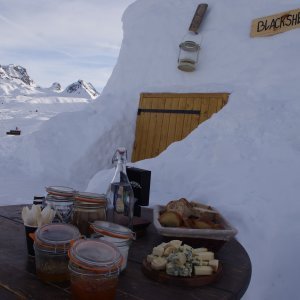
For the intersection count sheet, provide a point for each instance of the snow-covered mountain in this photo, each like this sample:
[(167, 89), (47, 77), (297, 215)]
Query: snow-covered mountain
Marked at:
[(15, 82), (81, 89), (17, 74)]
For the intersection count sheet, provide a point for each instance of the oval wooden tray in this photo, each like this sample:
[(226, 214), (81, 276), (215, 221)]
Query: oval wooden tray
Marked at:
[(194, 281)]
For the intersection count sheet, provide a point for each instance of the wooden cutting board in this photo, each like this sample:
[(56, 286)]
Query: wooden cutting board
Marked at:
[(194, 281)]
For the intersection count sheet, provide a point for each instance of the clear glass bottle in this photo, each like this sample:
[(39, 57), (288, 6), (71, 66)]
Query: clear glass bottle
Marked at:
[(120, 193)]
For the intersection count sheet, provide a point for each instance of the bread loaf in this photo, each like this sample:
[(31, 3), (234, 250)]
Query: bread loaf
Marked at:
[(181, 207), (170, 219)]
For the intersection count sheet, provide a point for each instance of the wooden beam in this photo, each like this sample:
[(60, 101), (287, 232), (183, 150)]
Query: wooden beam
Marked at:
[(198, 17)]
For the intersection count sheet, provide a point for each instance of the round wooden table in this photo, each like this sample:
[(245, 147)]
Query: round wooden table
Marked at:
[(18, 280)]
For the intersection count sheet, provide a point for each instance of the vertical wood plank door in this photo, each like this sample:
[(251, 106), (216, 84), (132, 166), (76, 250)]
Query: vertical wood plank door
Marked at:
[(164, 118)]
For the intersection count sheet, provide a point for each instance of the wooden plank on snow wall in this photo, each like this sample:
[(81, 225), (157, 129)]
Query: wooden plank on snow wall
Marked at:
[(164, 118), (270, 25)]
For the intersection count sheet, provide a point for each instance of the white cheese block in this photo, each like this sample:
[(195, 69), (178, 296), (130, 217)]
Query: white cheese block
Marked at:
[(168, 250), (164, 245), (158, 251), (198, 250), (206, 255), (175, 243), (159, 263), (203, 270), (214, 263), (199, 262), (150, 257)]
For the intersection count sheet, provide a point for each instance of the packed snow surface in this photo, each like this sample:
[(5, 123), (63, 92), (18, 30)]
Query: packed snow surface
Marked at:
[(244, 160)]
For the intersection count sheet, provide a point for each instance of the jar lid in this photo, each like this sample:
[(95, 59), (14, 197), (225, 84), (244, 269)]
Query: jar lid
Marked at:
[(60, 191), (56, 236), (113, 230), (56, 198), (116, 241), (94, 198), (189, 46), (96, 255)]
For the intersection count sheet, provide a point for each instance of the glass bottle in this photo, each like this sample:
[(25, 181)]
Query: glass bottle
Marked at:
[(120, 192)]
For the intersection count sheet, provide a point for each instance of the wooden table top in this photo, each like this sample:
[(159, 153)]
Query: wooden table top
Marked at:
[(18, 279)]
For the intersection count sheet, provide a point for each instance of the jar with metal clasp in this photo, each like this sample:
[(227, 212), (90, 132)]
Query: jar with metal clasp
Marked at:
[(51, 245), (88, 207), (61, 199), (94, 269), (119, 235)]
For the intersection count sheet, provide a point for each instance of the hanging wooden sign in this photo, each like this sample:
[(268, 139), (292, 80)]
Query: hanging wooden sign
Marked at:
[(274, 24)]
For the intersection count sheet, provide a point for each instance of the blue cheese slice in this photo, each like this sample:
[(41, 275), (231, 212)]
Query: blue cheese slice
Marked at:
[(179, 270)]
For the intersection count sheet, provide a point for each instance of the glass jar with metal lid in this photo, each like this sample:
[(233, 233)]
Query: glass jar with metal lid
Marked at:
[(94, 269), (119, 235), (61, 199), (87, 208), (51, 245)]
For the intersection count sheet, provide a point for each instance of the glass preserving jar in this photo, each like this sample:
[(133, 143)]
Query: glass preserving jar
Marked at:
[(61, 199), (87, 208), (119, 235), (51, 245), (94, 269), (122, 244)]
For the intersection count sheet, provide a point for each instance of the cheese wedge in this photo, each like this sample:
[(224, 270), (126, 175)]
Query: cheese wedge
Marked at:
[(203, 270), (208, 255), (158, 251), (158, 263), (214, 263)]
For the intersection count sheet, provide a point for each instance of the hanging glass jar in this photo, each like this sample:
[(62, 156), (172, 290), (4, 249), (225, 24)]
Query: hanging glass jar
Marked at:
[(189, 52)]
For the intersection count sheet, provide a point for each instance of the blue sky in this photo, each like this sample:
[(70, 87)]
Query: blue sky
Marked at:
[(62, 40)]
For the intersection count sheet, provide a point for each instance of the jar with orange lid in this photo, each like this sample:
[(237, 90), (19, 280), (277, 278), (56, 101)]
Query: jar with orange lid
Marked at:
[(51, 245), (94, 269), (87, 208), (119, 235), (61, 199)]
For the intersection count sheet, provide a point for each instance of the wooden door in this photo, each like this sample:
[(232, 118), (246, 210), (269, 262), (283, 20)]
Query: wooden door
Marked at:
[(164, 118)]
